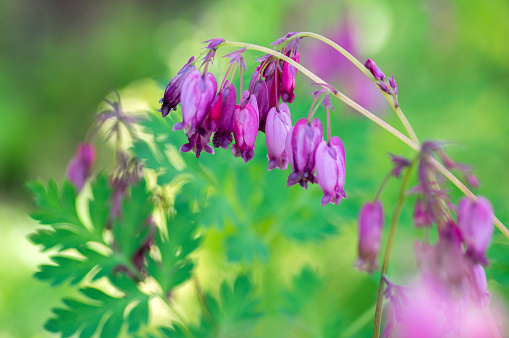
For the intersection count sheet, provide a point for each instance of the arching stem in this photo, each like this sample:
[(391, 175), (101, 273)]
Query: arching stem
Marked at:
[(390, 240), (415, 146)]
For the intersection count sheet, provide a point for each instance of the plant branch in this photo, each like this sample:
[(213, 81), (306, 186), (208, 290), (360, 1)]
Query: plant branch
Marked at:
[(415, 146), (392, 232)]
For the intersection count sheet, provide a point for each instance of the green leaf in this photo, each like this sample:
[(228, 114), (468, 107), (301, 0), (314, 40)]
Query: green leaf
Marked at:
[(245, 247), (307, 225), (131, 230), (180, 240), (73, 269), (85, 316), (138, 316), (100, 205), (60, 238), (55, 206)]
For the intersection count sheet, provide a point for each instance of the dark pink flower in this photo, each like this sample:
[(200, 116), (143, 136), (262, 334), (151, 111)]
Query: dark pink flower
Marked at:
[(259, 89), (197, 94), (288, 78), (330, 170), (245, 128), (301, 144), (476, 225), (278, 125), (79, 168), (371, 220), (223, 136), (172, 93)]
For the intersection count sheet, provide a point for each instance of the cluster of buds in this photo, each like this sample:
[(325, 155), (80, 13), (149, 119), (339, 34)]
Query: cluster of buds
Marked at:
[(386, 84), (212, 112)]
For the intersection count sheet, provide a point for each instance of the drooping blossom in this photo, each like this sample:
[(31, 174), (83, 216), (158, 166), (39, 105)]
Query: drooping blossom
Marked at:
[(79, 168), (278, 125), (245, 128), (172, 93), (288, 77), (197, 94), (198, 141), (301, 144), (223, 136), (330, 170), (371, 219), (259, 89), (476, 225)]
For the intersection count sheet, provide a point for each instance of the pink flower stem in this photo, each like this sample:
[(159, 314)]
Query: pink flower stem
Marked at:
[(392, 232), (328, 125)]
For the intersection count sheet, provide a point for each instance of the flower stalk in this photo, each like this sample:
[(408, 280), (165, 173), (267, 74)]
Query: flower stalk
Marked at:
[(392, 232), (414, 145)]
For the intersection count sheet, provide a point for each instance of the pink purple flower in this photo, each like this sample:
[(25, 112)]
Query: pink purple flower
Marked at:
[(330, 170), (223, 135), (476, 225), (301, 144), (173, 90), (79, 168), (278, 125), (197, 94), (371, 220), (245, 128)]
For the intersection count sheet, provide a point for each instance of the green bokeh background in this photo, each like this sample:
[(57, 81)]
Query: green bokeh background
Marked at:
[(59, 59)]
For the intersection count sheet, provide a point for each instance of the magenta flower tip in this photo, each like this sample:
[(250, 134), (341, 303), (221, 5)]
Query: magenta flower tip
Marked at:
[(80, 166), (371, 219)]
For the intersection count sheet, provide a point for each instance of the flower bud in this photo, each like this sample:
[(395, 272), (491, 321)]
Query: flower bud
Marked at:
[(476, 226), (330, 170), (373, 68), (245, 128), (278, 125), (78, 169), (172, 93), (288, 77), (371, 219), (197, 94), (223, 136), (301, 144)]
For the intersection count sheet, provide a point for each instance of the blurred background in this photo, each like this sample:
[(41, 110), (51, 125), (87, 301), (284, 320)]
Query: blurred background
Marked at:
[(59, 59)]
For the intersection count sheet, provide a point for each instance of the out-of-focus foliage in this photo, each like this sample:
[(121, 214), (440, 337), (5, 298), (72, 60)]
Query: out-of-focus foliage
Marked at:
[(59, 60)]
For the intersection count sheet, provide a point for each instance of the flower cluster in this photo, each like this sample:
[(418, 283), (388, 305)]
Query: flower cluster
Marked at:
[(212, 112), (453, 280)]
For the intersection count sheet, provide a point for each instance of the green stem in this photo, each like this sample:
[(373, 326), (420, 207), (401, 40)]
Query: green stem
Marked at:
[(382, 186), (392, 232), (336, 93), (414, 145), (366, 72)]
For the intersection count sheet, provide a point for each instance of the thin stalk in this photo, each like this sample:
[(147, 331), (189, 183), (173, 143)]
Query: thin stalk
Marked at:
[(366, 72), (382, 186), (415, 146), (328, 125), (392, 232), (338, 94)]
